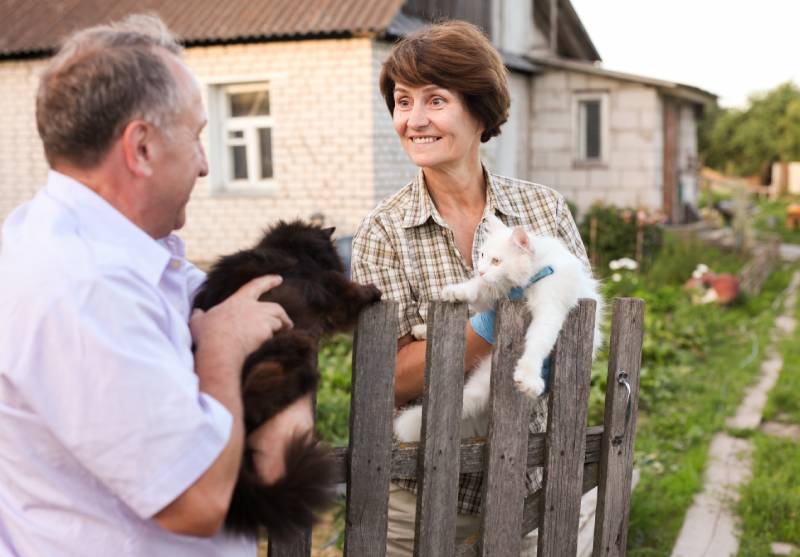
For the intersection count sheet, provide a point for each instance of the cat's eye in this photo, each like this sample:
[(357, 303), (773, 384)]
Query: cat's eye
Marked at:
[(495, 261)]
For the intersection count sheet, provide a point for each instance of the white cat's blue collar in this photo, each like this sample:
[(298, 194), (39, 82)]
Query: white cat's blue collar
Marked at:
[(517, 292)]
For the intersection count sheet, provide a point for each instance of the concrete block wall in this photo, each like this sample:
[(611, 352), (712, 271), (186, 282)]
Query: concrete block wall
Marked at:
[(392, 167), (320, 92), (630, 175), (23, 168)]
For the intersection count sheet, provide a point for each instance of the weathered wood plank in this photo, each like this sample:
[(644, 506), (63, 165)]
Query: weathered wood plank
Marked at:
[(471, 457), (441, 431), (531, 512), (506, 454), (616, 458), (370, 450), (566, 437)]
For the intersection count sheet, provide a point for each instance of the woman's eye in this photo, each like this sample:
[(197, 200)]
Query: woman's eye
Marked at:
[(403, 103), (437, 101), (495, 261)]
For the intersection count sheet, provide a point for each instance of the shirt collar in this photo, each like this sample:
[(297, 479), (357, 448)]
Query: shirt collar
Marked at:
[(496, 198), (100, 222), (422, 208)]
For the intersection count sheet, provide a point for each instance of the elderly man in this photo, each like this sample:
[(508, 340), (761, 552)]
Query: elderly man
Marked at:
[(116, 439)]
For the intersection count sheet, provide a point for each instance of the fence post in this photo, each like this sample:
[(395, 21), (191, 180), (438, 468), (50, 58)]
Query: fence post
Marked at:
[(566, 433), (506, 451), (440, 441), (616, 452), (370, 448)]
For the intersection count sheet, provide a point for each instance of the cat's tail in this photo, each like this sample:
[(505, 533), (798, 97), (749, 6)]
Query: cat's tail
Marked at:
[(289, 506)]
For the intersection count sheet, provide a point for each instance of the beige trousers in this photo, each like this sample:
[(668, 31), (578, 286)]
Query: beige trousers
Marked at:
[(400, 534)]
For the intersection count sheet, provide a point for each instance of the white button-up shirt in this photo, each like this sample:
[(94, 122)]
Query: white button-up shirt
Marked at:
[(101, 420)]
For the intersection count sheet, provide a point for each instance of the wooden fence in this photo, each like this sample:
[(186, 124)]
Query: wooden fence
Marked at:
[(575, 458)]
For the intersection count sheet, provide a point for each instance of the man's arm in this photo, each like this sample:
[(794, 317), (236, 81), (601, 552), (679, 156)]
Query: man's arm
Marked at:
[(224, 336)]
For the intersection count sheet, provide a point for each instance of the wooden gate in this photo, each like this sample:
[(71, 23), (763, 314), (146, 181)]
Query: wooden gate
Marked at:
[(575, 458)]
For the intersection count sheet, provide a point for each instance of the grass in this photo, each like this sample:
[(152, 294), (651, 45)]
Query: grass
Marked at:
[(770, 502), (770, 216), (686, 400), (784, 400), (769, 507)]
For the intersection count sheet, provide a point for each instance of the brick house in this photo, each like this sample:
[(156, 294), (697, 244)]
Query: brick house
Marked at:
[(297, 125)]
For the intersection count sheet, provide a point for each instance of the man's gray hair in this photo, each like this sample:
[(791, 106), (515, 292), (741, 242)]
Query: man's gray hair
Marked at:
[(102, 78)]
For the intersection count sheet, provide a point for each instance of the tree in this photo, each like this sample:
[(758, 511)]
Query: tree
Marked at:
[(744, 142)]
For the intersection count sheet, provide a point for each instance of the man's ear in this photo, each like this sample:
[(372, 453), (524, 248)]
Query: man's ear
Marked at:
[(520, 238), (138, 147)]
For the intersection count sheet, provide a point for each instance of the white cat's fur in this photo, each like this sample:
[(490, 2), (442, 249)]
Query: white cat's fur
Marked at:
[(509, 258)]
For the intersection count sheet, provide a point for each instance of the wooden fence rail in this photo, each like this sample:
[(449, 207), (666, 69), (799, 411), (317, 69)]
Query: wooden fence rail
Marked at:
[(575, 458)]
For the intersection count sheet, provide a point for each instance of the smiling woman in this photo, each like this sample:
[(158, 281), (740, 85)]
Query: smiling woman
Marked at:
[(445, 87)]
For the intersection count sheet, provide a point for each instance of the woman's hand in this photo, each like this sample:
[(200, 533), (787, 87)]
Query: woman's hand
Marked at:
[(271, 439)]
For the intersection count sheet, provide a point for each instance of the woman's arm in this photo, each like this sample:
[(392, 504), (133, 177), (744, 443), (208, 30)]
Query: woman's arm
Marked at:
[(410, 371)]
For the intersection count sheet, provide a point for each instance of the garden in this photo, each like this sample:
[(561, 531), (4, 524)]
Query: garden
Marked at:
[(698, 358)]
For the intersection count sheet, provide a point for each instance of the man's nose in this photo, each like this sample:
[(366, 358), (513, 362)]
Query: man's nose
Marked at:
[(203, 171)]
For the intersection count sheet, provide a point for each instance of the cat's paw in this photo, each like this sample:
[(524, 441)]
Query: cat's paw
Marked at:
[(458, 293), (420, 332), (407, 425), (528, 379)]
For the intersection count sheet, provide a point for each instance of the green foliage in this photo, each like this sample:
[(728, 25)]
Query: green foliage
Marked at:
[(783, 403), (616, 236), (770, 502), (696, 362), (742, 142), (770, 217), (333, 395)]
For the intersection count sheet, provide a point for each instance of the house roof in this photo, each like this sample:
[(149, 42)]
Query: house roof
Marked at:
[(680, 90), (35, 28)]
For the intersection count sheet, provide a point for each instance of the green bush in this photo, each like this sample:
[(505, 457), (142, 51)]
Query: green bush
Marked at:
[(333, 395), (616, 235)]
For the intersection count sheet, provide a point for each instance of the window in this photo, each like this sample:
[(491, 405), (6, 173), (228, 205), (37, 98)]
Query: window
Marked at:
[(590, 128), (242, 138)]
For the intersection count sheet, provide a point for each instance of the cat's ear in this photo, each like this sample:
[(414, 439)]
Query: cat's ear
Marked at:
[(329, 231), (520, 239)]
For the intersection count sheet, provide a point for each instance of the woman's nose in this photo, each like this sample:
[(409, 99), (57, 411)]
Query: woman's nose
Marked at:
[(418, 118)]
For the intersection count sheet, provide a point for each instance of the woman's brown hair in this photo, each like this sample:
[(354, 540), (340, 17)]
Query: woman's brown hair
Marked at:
[(457, 56)]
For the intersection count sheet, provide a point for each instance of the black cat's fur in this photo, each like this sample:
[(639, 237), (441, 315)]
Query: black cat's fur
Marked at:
[(319, 299)]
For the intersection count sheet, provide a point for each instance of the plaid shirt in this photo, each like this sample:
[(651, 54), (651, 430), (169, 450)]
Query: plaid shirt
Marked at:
[(405, 248)]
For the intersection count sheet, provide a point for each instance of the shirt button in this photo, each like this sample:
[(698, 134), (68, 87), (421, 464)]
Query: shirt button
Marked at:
[(175, 263)]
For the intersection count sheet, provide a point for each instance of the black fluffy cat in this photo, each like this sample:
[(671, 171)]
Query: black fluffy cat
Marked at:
[(319, 299)]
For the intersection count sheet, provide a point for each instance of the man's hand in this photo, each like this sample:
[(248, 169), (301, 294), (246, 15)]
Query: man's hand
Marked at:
[(271, 439), (240, 324)]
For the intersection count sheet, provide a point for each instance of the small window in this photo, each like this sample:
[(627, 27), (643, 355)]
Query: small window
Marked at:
[(244, 137), (590, 136)]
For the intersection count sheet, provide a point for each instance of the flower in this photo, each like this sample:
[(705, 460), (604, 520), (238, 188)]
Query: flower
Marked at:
[(616, 277), (623, 263)]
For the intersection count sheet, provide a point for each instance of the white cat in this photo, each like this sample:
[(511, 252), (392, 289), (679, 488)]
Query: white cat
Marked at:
[(551, 279)]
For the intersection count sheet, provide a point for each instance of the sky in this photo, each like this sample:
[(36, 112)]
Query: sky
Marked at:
[(732, 48)]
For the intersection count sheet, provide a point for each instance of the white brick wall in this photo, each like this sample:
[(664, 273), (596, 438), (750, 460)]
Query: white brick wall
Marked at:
[(22, 164), (631, 175), (320, 93)]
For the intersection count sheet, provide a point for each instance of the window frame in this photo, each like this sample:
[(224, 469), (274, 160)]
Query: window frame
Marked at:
[(579, 131), (221, 124)]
